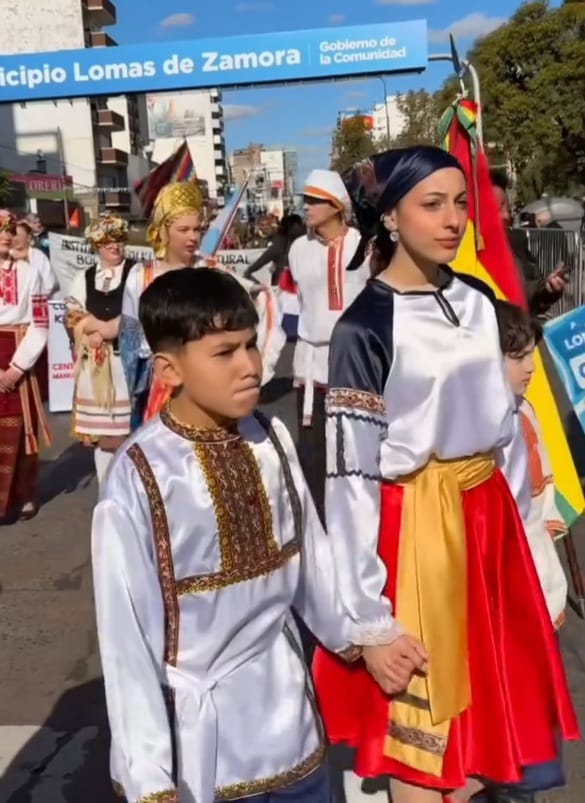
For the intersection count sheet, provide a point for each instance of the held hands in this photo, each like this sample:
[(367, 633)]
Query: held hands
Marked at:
[(392, 665)]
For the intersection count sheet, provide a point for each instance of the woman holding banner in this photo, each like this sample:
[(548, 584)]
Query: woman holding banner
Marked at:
[(101, 403), (24, 321)]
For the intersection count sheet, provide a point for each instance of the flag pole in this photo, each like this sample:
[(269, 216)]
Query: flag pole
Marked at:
[(463, 67)]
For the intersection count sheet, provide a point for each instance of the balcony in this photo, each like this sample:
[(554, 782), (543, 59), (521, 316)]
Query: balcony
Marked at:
[(112, 156), (109, 120), (101, 39), (100, 12), (116, 199)]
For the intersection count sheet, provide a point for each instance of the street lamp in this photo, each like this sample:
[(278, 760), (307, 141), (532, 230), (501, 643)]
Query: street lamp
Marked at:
[(383, 80)]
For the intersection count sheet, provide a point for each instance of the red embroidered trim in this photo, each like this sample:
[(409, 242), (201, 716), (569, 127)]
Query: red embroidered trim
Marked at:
[(334, 273), (9, 286), (40, 311)]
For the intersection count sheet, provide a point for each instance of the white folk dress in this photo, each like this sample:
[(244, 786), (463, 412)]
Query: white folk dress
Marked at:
[(92, 420), (324, 290), (203, 541)]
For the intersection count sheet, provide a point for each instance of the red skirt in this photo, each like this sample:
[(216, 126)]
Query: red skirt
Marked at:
[(520, 699)]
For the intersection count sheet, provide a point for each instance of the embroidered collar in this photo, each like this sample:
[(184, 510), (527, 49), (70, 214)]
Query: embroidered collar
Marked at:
[(333, 241), (197, 434)]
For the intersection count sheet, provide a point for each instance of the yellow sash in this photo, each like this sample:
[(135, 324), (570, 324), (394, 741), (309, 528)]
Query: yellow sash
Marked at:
[(431, 604)]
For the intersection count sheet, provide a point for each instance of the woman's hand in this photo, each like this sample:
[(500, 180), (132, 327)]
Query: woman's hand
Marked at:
[(95, 340), (393, 665), (9, 379)]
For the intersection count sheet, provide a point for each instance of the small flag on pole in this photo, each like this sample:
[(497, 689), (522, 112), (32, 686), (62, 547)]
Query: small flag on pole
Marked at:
[(178, 167), (214, 236)]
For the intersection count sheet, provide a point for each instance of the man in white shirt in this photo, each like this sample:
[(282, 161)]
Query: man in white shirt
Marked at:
[(328, 268)]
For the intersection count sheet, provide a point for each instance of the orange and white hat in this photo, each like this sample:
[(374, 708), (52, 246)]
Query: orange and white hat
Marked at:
[(326, 185)]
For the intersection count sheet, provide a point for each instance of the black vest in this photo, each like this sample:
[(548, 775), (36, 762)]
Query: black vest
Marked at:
[(105, 306)]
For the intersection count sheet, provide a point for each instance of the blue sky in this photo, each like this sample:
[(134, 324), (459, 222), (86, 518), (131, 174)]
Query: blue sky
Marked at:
[(303, 116)]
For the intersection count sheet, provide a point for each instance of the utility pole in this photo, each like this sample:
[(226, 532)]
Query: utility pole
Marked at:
[(383, 80), (63, 172)]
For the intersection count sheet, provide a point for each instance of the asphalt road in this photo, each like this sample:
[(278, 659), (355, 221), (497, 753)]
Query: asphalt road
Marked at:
[(53, 731)]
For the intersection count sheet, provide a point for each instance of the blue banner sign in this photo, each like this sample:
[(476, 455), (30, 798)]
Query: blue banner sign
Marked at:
[(233, 61), (565, 338)]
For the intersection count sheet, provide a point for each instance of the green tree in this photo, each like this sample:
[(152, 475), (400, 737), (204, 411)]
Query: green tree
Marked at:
[(6, 188), (421, 113), (532, 74), (352, 142)]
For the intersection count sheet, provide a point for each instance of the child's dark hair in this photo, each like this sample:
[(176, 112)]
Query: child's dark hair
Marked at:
[(499, 179), (189, 303), (518, 331)]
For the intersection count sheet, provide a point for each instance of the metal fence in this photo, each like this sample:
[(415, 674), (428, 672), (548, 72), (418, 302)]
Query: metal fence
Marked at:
[(551, 247)]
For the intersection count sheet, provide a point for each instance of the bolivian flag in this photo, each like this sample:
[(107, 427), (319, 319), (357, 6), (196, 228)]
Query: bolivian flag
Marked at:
[(485, 253)]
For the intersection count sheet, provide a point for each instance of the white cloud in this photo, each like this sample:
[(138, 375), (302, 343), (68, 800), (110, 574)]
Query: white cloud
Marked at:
[(178, 21), (235, 111), (244, 7), (336, 19), (470, 27), (403, 2)]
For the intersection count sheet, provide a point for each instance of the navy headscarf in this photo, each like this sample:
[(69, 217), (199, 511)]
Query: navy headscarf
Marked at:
[(377, 184)]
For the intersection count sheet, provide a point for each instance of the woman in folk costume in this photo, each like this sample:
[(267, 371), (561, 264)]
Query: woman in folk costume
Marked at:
[(24, 322), (23, 247), (327, 268), (174, 234), (427, 538), (101, 403)]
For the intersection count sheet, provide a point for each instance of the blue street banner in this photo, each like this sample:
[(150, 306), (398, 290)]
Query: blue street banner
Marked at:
[(565, 338), (232, 61)]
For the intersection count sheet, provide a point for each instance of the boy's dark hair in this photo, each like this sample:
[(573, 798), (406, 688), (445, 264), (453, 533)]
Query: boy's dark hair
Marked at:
[(499, 179), (518, 331), (188, 303)]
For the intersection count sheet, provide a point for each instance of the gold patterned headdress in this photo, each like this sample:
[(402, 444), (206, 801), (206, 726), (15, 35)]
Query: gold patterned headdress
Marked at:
[(107, 229), (7, 221), (172, 202)]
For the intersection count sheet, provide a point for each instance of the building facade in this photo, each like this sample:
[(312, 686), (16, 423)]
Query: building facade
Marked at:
[(272, 171), (98, 142), (196, 116), (388, 121)]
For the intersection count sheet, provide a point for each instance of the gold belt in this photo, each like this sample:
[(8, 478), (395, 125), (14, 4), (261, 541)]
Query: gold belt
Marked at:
[(431, 604)]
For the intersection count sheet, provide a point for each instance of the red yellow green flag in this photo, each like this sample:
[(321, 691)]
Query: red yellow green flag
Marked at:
[(485, 253)]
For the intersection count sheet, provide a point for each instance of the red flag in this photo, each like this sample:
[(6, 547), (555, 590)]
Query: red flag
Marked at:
[(178, 167), (75, 220), (493, 248), (485, 253)]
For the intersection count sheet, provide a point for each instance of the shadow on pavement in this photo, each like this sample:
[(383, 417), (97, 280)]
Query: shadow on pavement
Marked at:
[(67, 760), (73, 469)]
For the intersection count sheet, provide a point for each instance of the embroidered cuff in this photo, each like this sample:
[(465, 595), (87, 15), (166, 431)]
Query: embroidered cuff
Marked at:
[(169, 796), (374, 634)]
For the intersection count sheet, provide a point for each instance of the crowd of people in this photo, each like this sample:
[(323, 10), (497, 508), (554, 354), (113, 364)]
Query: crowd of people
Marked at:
[(409, 531)]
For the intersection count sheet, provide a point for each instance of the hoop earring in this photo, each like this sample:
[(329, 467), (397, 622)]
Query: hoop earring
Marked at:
[(394, 236)]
